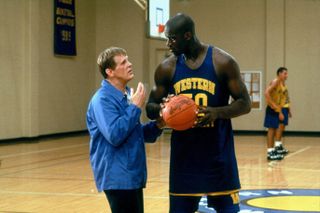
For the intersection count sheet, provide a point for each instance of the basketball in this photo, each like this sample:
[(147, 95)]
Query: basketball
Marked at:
[(180, 112)]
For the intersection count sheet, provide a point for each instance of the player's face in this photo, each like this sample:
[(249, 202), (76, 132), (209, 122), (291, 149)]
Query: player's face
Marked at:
[(175, 42), (123, 70), (284, 75)]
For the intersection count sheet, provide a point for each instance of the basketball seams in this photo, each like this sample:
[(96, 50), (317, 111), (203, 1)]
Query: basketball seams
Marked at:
[(178, 113)]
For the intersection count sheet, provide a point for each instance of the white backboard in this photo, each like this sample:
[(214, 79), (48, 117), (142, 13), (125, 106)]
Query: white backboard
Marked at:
[(158, 13)]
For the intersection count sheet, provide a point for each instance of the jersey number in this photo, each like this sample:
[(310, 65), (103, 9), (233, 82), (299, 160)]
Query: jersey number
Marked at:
[(200, 99)]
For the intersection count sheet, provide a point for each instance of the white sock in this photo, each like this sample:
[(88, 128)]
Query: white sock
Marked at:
[(278, 143), (270, 149)]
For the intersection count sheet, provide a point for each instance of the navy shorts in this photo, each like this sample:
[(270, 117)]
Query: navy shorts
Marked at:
[(271, 119), (189, 204)]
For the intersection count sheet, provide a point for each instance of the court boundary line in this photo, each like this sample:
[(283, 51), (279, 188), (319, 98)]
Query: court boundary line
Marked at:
[(42, 151), (62, 194)]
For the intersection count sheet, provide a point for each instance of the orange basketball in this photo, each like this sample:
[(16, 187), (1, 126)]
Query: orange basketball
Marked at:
[(180, 112)]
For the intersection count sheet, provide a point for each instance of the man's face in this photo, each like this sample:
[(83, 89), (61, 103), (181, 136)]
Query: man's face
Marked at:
[(284, 75), (123, 70), (175, 41)]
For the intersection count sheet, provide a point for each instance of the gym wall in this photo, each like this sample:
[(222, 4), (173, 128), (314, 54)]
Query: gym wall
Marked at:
[(44, 94)]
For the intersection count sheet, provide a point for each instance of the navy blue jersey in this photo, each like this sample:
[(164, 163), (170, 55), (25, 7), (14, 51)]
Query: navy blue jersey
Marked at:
[(202, 159)]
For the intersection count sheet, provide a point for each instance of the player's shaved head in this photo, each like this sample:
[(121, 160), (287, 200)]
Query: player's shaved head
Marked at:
[(181, 23)]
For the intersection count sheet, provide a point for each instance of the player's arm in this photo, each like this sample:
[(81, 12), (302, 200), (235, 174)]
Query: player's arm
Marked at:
[(273, 84), (228, 71), (162, 78), (289, 110), (229, 74)]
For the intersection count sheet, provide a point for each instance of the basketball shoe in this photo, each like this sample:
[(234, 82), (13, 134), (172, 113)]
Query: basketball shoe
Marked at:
[(281, 150), (273, 155)]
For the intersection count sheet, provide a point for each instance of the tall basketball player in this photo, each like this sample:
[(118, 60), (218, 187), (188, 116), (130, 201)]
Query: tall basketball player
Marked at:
[(203, 161)]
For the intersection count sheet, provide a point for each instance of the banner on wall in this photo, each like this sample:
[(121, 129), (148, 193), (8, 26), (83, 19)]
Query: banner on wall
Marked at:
[(64, 27)]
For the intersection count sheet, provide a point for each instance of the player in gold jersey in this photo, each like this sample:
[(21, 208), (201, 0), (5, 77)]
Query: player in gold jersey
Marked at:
[(277, 114)]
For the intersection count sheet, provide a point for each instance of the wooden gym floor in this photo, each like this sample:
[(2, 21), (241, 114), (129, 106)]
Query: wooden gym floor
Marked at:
[(53, 174)]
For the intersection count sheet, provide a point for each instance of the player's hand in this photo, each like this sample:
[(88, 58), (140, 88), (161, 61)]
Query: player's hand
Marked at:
[(164, 101), (160, 123), (281, 116), (276, 108), (167, 99), (206, 115), (138, 98)]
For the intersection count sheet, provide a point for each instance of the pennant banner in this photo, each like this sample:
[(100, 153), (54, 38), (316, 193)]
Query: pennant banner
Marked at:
[(64, 27)]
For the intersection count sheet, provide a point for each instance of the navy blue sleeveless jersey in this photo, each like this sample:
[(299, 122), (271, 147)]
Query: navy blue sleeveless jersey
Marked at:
[(202, 159)]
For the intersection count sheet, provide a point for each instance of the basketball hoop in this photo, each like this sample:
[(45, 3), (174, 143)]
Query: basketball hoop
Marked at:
[(161, 28)]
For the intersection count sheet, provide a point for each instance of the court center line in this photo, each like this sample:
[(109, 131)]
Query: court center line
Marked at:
[(274, 163), (297, 152)]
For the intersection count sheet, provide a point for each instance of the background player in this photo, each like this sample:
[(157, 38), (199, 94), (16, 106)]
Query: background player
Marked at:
[(203, 159), (277, 113)]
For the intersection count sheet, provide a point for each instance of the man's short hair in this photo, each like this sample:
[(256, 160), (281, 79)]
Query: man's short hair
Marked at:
[(281, 69), (106, 59)]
